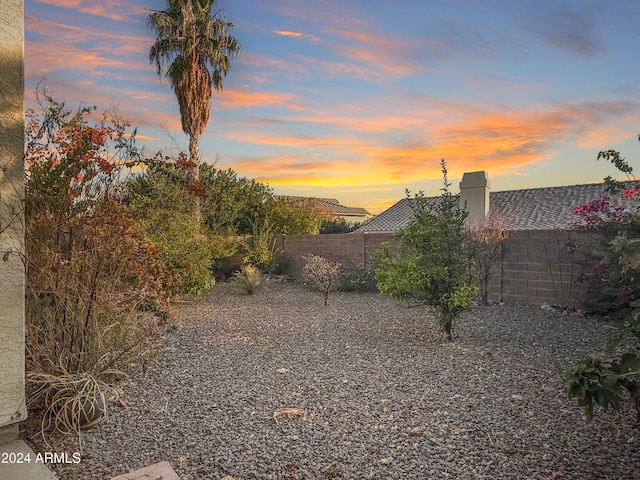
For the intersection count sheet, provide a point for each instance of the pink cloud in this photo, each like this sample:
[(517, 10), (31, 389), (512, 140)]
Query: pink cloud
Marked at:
[(122, 10), (289, 33)]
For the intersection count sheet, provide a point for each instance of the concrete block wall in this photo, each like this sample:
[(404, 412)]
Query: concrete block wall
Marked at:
[(536, 266), (347, 248), (541, 266)]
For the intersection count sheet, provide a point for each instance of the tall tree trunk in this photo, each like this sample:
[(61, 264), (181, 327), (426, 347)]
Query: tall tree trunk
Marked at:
[(194, 177)]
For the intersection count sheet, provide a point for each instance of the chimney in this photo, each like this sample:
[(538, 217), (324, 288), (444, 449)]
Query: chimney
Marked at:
[(474, 196)]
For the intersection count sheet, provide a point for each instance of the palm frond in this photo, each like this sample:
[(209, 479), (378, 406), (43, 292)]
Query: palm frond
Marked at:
[(194, 49)]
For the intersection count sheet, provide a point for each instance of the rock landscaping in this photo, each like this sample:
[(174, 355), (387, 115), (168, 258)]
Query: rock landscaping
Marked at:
[(276, 385)]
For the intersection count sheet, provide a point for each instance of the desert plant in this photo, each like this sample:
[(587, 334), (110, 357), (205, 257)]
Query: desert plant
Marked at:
[(322, 273), (357, 278), (429, 261), (261, 247), (73, 401), (248, 280)]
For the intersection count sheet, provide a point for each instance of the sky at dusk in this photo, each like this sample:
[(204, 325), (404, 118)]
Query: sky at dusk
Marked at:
[(360, 99)]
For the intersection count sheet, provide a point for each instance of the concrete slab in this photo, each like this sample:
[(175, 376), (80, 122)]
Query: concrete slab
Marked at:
[(19, 462), (157, 471)]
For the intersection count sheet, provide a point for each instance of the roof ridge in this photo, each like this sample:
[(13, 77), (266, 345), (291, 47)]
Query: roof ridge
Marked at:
[(558, 186)]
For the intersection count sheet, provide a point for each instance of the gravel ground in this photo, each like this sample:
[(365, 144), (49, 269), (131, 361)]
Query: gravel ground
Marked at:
[(383, 397)]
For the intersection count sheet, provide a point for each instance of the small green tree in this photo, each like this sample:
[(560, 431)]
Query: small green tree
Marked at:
[(428, 264)]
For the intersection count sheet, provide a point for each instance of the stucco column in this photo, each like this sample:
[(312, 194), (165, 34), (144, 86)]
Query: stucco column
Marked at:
[(12, 276)]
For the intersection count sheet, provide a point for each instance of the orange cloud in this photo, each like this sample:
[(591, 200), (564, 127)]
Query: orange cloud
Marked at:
[(234, 98), (40, 59), (474, 138), (61, 50)]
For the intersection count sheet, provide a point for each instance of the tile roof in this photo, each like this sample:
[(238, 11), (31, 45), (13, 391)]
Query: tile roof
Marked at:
[(329, 206), (548, 208)]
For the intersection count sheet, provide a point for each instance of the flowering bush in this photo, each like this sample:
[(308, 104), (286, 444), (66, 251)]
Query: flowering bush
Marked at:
[(606, 380), (599, 211), (86, 259), (609, 288)]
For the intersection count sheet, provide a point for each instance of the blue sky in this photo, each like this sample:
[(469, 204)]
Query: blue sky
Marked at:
[(359, 100)]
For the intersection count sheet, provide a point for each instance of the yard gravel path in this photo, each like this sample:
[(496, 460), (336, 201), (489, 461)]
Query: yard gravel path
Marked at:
[(383, 397)]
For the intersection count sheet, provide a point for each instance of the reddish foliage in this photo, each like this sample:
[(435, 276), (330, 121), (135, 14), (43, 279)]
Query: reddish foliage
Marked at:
[(196, 189), (184, 164)]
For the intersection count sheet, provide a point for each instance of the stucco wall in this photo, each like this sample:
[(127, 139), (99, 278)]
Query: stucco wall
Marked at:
[(12, 393)]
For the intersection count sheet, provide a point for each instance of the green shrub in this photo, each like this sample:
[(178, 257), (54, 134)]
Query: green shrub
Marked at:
[(338, 225), (161, 204)]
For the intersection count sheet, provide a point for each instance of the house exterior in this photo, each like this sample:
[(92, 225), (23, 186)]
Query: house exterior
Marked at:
[(531, 209), (331, 208), (12, 357)]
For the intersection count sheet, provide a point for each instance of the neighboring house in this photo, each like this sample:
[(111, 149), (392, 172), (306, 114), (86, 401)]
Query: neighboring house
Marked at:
[(547, 208), (331, 208)]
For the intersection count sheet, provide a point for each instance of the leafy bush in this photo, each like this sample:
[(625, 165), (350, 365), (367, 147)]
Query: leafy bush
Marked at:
[(229, 202), (338, 225), (604, 380), (291, 217), (234, 206), (160, 203), (322, 273), (429, 261)]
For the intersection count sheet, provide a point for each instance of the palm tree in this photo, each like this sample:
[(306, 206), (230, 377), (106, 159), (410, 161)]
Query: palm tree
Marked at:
[(195, 48)]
